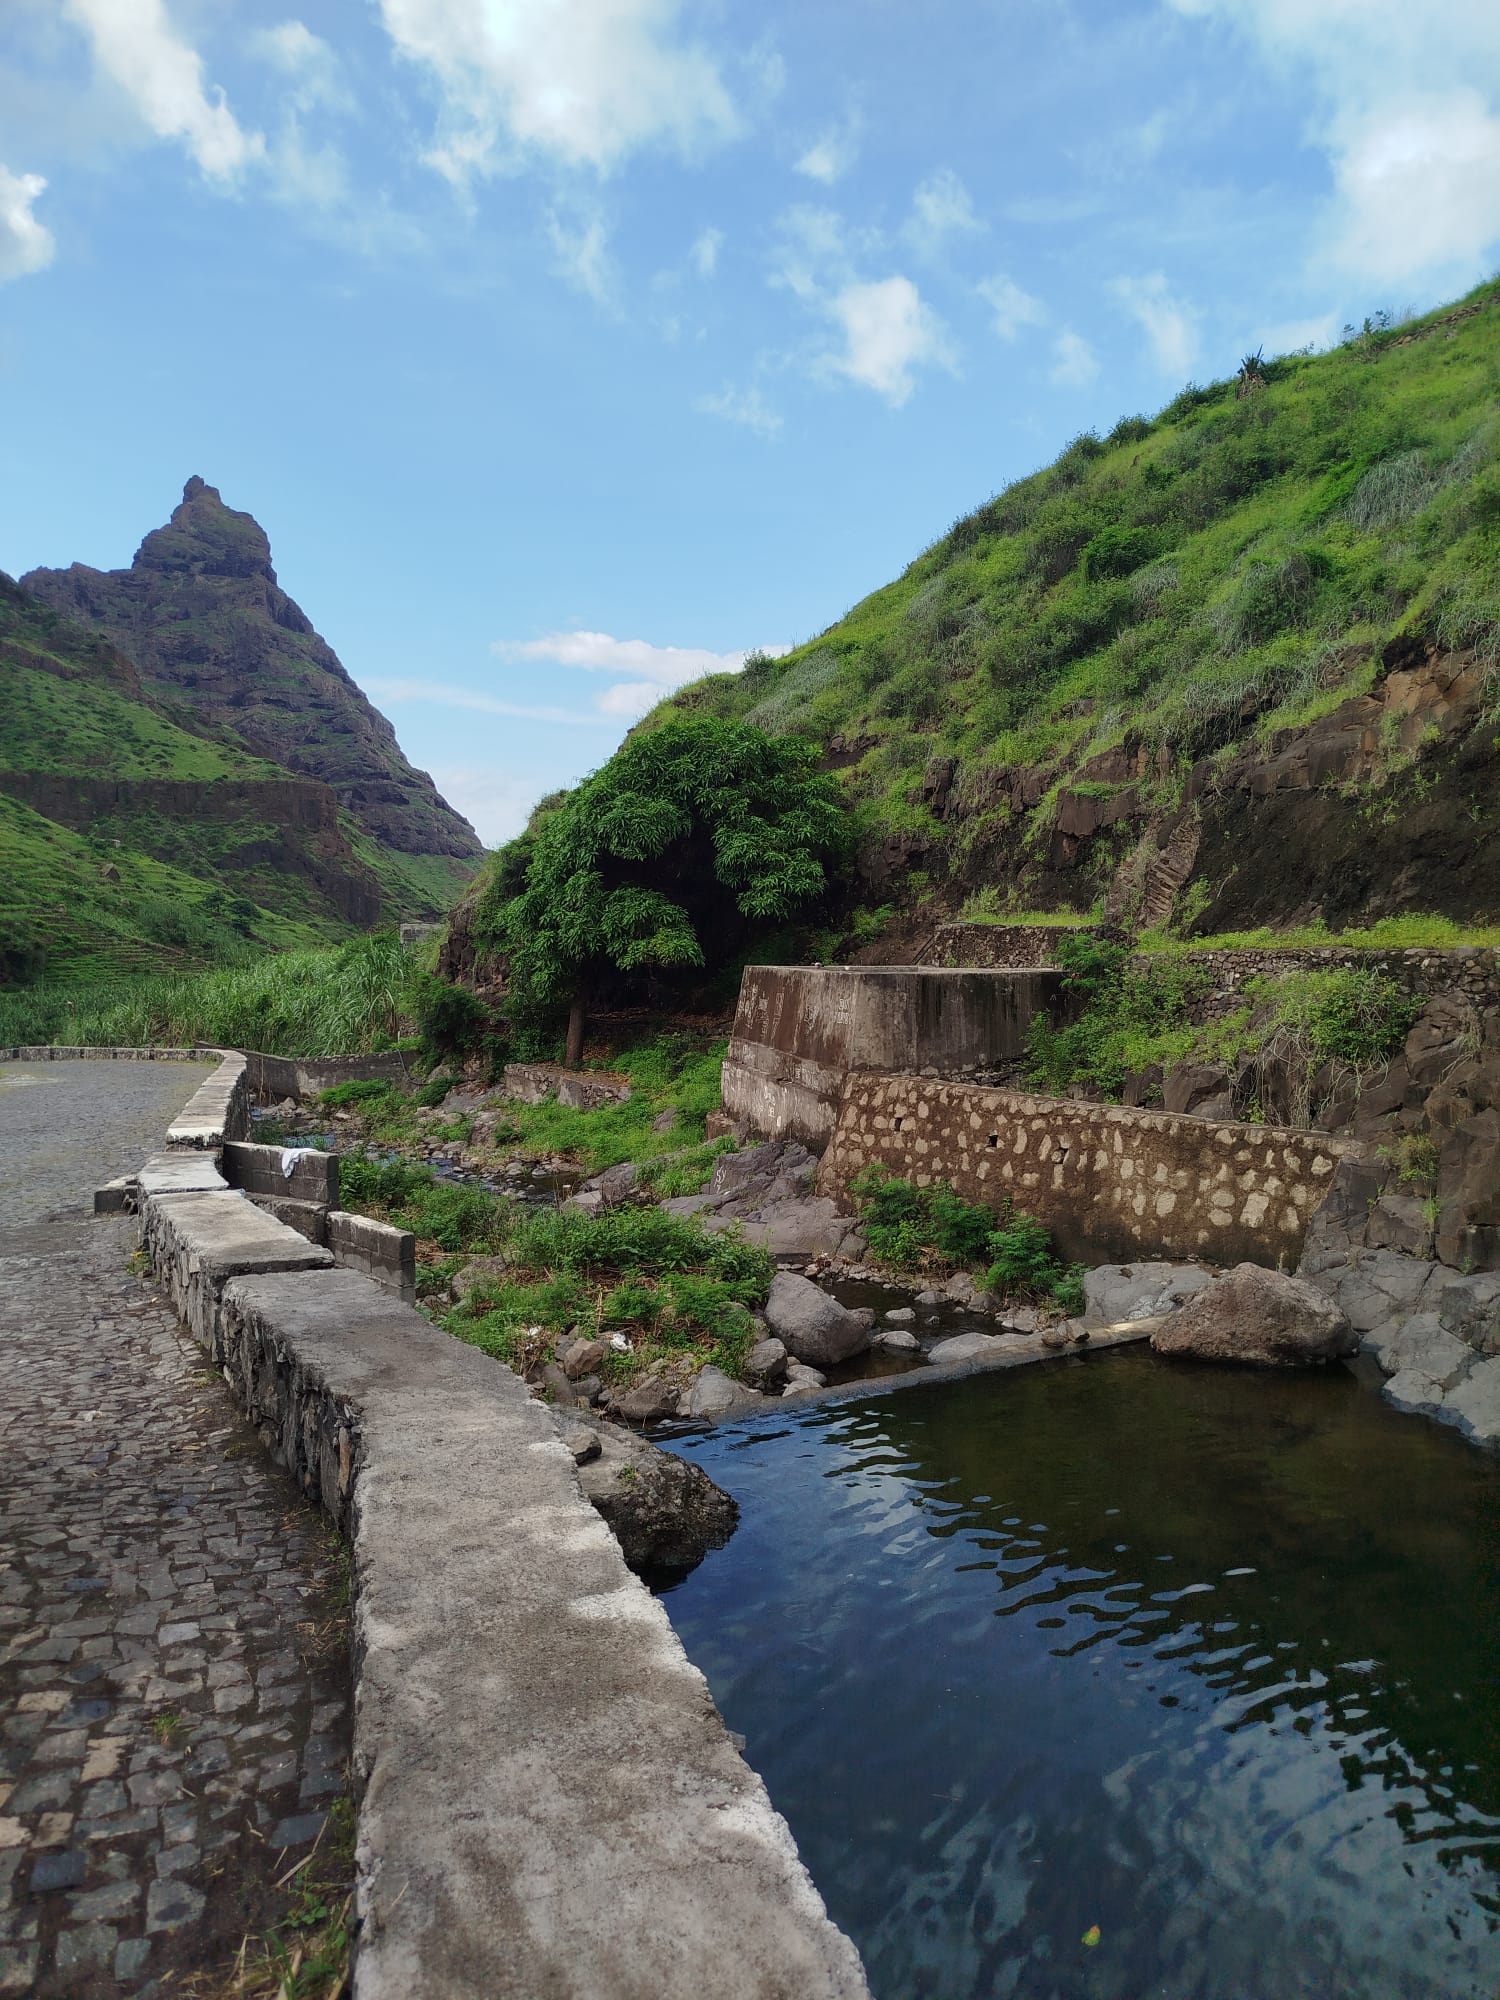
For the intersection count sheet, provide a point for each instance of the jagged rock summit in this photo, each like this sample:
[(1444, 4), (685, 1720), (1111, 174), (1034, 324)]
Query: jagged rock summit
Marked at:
[(202, 618)]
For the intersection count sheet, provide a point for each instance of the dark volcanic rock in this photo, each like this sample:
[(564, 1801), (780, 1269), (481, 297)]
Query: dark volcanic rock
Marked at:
[(202, 618), (1259, 1317), (665, 1512)]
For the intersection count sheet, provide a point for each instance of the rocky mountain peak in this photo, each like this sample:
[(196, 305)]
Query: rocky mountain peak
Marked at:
[(206, 538)]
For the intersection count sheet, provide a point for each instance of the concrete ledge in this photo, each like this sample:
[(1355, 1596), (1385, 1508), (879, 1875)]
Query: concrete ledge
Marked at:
[(218, 1109), (375, 1249), (262, 1170), (198, 1242), (308, 1218), (180, 1173)]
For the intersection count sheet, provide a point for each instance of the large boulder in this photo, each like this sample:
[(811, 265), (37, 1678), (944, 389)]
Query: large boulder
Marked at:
[(811, 1326), (1145, 1290), (715, 1395), (665, 1512), (1260, 1317)]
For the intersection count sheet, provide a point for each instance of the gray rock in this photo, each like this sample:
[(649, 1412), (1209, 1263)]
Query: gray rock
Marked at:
[(1475, 1404), (616, 1184), (813, 1327), (1257, 1317), (582, 1440), (556, 1386), (715, 1396), (583, 1358), (1470, 1308), (929, 1298), (900, 1316), (665, 1512), (896, 1340), (648, 1401), (1116, 1292), (664, 1121), (1423, 1346), (1401, 1222), (963, 1347), (800, 1376), (588, 1201), (766, 1363)]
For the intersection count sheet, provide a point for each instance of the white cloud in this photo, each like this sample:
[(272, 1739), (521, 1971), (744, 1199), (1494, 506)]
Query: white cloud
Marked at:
[(888, 332), (1419, 188), (26, 245), (136, 47), (886, 328), (828, 159), (940, 208), (747, 407), (436, 695), (705, 252), (653, 671), (580, 243), (1169, 325), (314, 75), (1073, 362), (495, 804), (587, 82), (1408, 117), (1011, 308)]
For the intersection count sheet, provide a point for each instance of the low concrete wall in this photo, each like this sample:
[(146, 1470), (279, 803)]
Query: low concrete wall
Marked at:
[(800, 1030), (275, 1078), (582, 1090), (314, 1175), (550, 1802), (376, 1250), (1110, 1183), (218, 1109)]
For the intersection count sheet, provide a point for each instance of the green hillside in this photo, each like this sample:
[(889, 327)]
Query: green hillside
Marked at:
[(135, 838), (76, 909), (1208, 665)]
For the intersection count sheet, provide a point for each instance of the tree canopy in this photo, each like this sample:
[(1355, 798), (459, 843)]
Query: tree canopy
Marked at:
[(664, 860)]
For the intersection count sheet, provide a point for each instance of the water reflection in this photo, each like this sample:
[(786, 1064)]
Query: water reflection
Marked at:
[(1206, 1659)]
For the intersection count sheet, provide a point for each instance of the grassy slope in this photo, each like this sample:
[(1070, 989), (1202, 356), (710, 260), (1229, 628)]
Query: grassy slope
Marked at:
[(1234, 556), (54, 894)]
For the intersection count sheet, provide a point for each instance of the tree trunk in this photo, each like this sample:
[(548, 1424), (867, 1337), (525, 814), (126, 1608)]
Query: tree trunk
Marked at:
[(573, 1055)]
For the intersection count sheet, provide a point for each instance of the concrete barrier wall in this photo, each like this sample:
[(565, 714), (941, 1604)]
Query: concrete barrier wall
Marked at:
[(275, 1078), (1110, 1183), (379, 1252), (550, 1803), (800, 1030)]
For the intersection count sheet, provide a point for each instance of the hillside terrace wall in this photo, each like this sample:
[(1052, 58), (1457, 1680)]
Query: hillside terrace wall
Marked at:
[(549, 1801), (1111, 1184), (800, 1030)]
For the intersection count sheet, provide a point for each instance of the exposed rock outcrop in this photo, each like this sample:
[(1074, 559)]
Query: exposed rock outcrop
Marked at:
[(814, 1328), (202, 618), (665, 1512), (1260, 1318)]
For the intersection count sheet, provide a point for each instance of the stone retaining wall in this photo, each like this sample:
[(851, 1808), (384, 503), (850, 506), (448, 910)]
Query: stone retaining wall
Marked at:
[(550, 1802), (993, 945), (1110, 1183), (799, 1030)]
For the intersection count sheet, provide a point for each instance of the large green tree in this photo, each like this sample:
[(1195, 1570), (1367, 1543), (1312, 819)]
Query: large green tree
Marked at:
[(665, 860)]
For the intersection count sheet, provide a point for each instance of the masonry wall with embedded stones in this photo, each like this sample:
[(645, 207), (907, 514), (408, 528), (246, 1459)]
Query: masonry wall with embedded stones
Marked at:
[(1110, 1183)]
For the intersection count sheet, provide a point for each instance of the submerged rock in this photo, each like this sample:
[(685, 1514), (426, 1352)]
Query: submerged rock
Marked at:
[(665, 1512), (813, 1327), (1259, 1317)]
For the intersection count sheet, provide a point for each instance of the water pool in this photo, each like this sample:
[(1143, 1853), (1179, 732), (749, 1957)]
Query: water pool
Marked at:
[(1204, 1659)]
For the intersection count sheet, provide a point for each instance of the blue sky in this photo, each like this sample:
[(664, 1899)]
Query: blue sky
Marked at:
[(566, 348)]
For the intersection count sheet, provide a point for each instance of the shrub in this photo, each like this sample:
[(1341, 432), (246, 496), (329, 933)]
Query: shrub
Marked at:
[(451, 1021), (907, 1227), (358, 1090)]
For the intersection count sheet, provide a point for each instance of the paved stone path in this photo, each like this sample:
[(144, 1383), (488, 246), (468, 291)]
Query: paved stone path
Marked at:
[(173, 1642)]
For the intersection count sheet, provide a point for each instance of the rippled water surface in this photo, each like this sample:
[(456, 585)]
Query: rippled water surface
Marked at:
[(1204, 1659)]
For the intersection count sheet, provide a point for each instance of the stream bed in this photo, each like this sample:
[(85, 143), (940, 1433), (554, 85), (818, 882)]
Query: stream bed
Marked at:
[(1125, 1678)]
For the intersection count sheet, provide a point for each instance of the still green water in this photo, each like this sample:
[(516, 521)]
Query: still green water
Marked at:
[(1204, 1658)]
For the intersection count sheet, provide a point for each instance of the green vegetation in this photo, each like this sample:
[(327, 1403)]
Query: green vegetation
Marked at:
[(1138, 1016), (1236, 565), (81, 910), (661, 1280), (909, 1228), (660, 864), (1406, 933), (344, 1001), (669, 1075)]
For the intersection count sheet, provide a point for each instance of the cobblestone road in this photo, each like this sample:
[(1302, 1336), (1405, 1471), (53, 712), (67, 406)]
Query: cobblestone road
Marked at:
[(173, 1647)]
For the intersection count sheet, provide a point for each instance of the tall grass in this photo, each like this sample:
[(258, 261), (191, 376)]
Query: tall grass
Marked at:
[(346, 1001)]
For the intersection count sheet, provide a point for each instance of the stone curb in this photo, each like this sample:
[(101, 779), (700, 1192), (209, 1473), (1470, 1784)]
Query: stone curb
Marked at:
[(551, 1803)]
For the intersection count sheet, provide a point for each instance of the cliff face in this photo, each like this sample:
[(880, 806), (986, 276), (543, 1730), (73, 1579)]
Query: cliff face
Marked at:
[(200, 615)]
